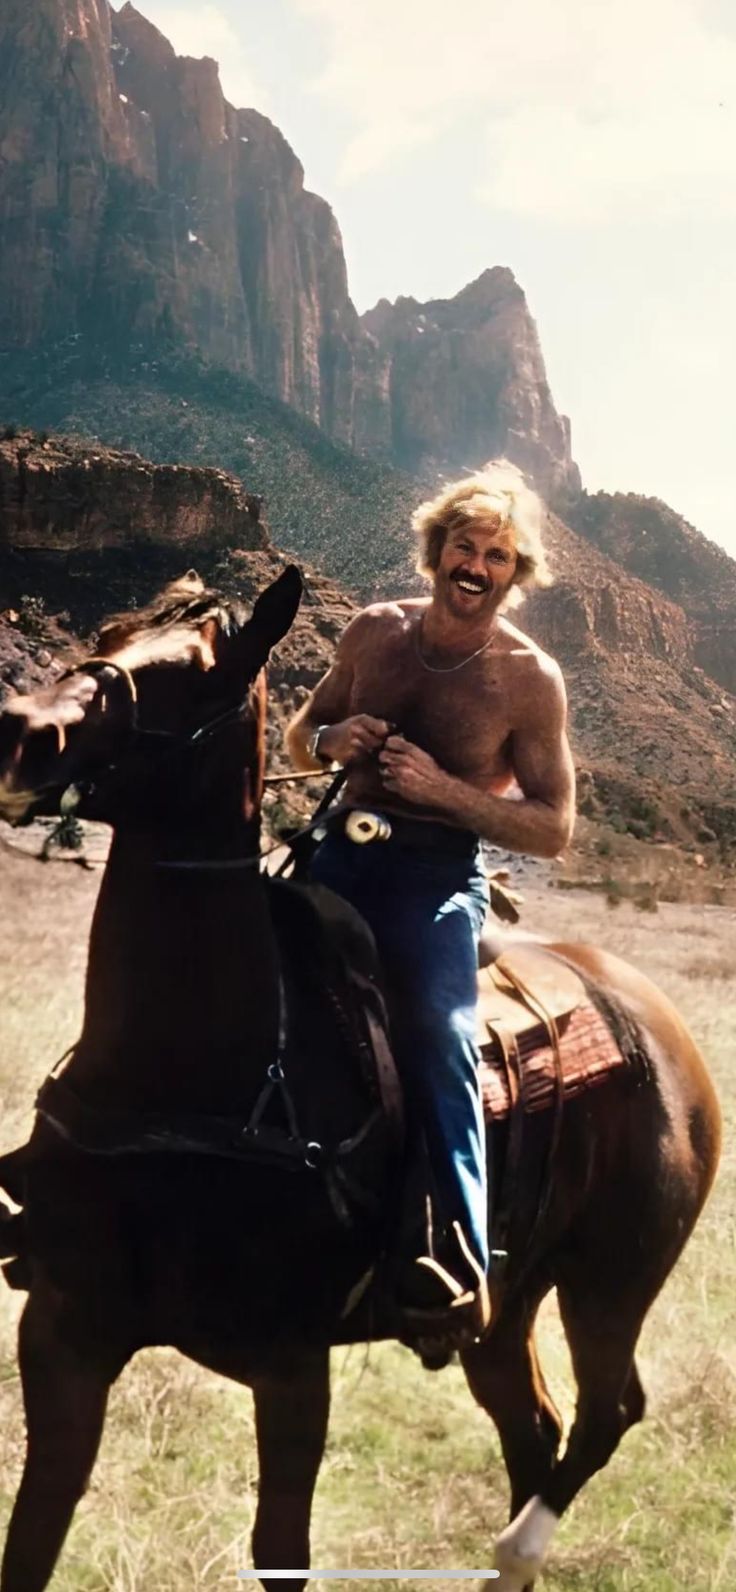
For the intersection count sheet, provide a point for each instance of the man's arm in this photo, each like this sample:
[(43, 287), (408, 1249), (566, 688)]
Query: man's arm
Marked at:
[(346, 736), (541, 824)]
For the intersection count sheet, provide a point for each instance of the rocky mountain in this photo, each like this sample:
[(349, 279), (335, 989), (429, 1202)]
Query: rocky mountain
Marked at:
[(627, 650), (138, 206), (331, 506), (150, 209), (650, 540), (466, 382), (654, 735)]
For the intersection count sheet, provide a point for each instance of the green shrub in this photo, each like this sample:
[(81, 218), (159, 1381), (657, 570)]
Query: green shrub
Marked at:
[(645, 897), (614, 892)]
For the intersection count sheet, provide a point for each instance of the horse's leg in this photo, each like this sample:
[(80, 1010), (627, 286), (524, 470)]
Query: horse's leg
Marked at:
[(602, 1334), (65, 1400), (505, 1378), (292, 1409)]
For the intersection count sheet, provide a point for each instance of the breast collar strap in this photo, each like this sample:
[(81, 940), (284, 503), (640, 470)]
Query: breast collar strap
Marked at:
[(102, 1133)]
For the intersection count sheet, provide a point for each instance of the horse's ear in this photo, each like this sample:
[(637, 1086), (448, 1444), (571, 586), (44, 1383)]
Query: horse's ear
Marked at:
[(275, 610), (190, 584)]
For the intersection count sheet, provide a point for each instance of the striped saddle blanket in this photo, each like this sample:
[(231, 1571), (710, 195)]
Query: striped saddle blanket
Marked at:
[(539, 1033)]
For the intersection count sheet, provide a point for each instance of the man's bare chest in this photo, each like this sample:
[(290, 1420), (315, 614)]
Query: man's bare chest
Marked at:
[(460, 716)]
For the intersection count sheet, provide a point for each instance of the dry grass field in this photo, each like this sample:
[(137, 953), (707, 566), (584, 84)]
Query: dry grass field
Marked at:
[(412, 1477)]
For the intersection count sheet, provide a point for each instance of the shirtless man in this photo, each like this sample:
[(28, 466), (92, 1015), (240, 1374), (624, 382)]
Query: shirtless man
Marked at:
[(442, 712)]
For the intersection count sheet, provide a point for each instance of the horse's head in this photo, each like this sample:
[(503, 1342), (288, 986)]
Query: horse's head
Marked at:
[(164, 723)]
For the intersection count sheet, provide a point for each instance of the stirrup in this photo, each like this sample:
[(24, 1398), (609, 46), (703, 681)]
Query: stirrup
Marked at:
[(461, 1314)]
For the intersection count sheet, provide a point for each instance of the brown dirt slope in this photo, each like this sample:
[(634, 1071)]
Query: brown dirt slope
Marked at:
[(650, 540)]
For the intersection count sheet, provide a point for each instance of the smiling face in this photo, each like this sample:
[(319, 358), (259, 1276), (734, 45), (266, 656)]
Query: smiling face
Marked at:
[(476, 567)]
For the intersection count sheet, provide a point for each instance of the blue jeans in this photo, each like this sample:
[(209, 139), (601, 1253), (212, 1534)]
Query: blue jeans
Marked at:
[(426, 910)]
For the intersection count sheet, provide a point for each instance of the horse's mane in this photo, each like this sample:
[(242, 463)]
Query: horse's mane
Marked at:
[(183, 603)]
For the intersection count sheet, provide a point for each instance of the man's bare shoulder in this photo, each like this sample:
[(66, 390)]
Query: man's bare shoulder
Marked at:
[(518, 645), (395, 610), (382, 618), (538, 670)]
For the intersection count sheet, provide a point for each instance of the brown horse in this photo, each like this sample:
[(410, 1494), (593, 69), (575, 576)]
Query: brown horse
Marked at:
[(246, 1264)]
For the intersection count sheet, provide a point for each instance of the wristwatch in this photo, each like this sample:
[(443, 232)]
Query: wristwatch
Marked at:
[(313, 747)]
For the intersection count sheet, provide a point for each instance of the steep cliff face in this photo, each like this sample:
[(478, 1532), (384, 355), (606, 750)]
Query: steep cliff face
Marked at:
[(138, 206), (646, 537), (60, 497), (467, 382), (60, 122)]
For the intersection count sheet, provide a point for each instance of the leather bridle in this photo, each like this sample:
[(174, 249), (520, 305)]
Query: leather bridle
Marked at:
[(171, 742), (68, 833)]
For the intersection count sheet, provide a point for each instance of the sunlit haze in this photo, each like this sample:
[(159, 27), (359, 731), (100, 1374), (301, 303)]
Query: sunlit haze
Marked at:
[(590, 146)]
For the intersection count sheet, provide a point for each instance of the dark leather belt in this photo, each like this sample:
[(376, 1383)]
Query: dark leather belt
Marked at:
[(415, 834)]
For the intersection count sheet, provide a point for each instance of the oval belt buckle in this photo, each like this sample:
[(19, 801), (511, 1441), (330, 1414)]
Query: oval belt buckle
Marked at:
[(361, 827)]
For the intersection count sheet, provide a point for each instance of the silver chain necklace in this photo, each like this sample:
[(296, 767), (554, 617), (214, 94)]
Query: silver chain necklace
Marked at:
[(447, 668)]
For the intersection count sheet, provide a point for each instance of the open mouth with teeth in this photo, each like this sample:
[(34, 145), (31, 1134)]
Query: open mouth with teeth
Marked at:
[(473, 587)]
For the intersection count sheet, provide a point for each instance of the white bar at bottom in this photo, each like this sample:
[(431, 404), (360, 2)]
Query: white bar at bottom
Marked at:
[(368, 1575)]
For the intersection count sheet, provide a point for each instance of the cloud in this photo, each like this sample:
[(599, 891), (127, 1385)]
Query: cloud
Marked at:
[(206, 30), (584, 107), (378, 143), (553, 163)]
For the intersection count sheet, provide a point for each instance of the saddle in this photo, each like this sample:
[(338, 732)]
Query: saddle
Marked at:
[(540, 1034), (522, 988), (542, 1038)]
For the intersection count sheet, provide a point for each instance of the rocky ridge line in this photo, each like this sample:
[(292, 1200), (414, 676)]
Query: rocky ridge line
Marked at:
[(137, 205)]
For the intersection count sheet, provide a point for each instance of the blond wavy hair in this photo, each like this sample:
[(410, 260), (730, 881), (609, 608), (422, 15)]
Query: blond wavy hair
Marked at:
[(494, 498)]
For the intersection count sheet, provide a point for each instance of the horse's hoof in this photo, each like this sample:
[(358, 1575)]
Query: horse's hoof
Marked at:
[(517, 1571), (506, 1586), (521, 1547)]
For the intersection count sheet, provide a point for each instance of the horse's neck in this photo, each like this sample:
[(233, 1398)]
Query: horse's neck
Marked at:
[(182, 983)]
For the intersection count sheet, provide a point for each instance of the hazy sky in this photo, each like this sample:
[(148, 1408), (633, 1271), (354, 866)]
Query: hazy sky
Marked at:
[(590, 145)]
